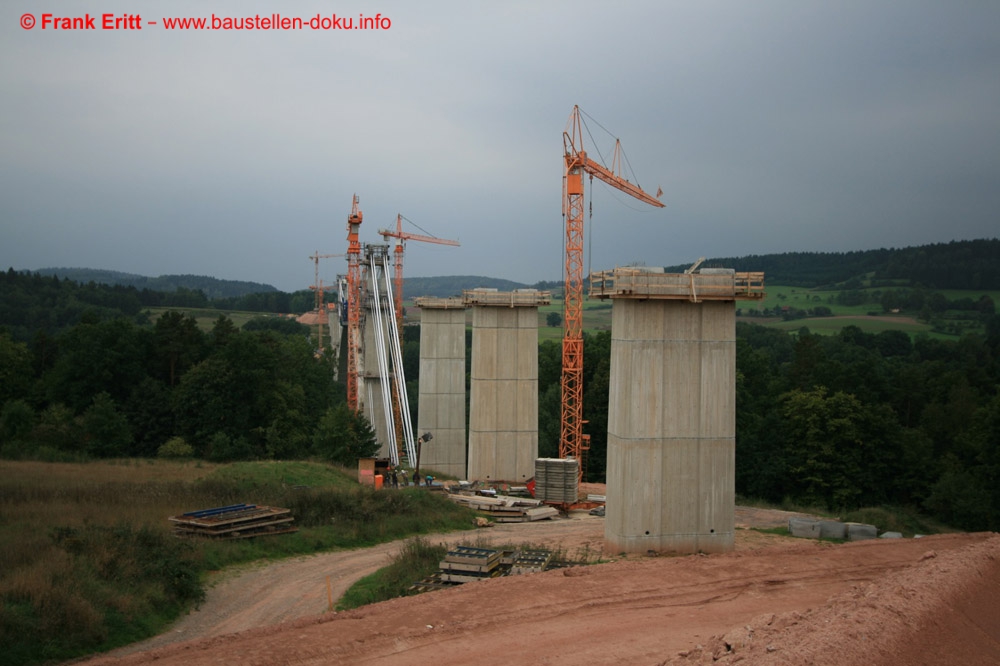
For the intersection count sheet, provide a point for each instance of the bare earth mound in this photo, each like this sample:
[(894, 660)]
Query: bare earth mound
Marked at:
[(773, 601)]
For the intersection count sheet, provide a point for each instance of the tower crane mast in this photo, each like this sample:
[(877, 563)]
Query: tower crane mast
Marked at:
[(572, 441), (353, 303), (317, 286)]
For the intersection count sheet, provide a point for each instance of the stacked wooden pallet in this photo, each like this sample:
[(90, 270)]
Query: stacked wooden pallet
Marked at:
[(236, 521), (503, 509)]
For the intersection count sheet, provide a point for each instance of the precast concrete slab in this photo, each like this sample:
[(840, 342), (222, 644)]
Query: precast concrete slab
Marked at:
[(832, 529), (861, 532), (807, 528)]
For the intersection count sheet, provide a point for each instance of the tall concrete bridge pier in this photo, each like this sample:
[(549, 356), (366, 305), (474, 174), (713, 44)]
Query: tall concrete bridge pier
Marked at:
[(442, 385), (672, 408), (503, 395)]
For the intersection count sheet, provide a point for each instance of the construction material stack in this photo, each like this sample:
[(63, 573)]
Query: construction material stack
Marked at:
[(506, 509), (556, 480), (236, 521), (466, 564), (530, 561)]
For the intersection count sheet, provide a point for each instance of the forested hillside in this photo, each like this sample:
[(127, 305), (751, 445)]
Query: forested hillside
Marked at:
[(210, 286), (843, 421), (31, 304), (971, 264)]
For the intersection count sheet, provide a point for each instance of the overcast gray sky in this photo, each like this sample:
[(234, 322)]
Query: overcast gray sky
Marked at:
[(771, 126)]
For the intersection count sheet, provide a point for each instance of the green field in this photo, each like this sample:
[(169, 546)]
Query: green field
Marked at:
[(596, 317), (798, 297), (869, 317), (206, 317), (833, 325)]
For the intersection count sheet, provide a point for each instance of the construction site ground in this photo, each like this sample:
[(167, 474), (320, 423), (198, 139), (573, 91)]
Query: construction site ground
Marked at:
[(774, 600)]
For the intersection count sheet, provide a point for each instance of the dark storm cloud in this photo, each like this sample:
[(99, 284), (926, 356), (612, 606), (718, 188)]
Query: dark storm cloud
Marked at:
[(770, 126)]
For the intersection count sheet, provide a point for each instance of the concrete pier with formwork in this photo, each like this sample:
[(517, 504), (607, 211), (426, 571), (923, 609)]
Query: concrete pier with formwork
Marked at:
[(370, 390), (503, 407), (672, 411), (442, 385)]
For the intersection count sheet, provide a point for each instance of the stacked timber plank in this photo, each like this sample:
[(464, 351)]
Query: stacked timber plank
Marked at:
[(504, 509), (466, 564), (236, 521), (556, 480)]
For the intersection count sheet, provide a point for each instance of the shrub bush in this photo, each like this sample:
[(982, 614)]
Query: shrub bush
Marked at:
[(175, 447)]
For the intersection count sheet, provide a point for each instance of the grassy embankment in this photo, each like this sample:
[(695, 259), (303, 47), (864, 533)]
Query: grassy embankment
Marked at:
[(905, 520), (419, 559), (90, 562)]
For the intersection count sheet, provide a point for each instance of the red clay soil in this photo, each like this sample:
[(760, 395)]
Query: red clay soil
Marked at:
[(774, 600)]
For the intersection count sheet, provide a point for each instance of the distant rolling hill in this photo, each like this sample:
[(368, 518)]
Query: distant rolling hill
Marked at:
[(210, 286), (453, 285), (968, 264)]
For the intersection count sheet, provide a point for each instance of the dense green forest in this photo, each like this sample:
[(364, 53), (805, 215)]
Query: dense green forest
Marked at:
[(841, 422), (107, 383), (210, 286), (971, 264)]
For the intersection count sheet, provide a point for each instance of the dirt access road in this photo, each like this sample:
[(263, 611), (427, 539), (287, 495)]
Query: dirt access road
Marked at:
[(773, 601)]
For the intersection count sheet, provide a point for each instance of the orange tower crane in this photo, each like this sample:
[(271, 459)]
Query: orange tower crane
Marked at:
[(401, 238), (572, 441), (317, 286), (353, 303)]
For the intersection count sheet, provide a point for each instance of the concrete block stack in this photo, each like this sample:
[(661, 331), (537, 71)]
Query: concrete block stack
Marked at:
[(556, 480)]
